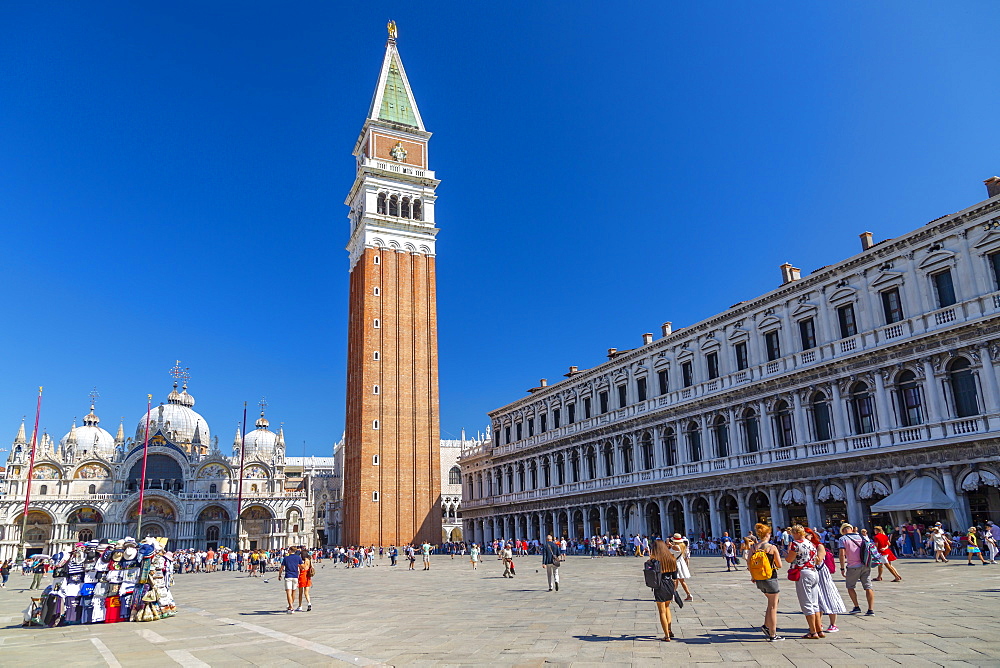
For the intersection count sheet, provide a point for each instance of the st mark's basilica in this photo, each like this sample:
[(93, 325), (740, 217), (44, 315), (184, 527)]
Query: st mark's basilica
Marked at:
[(87, 485)]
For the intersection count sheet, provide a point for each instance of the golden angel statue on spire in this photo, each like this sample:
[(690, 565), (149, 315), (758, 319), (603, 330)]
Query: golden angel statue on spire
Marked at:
[(391, 27)]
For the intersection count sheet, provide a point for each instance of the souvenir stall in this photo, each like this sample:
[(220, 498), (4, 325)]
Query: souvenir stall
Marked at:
[(107, 582)]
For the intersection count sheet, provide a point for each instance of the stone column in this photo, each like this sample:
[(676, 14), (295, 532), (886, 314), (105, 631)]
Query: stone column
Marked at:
[(839, 427), (764, 427), (746, 520), (932, 393), (736, 444), (854, 512), (988, 381), (798, 418), (779, 519), (960, 517), (665, 525), (659, 458), (603, 514), (812, 508), (686, 502), (883, 417), (713, 514), (707, 447)]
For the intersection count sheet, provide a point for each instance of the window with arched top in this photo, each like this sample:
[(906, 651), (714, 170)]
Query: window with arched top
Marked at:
[(590, 456), (720, 432), (783, 431), (911, 409), (608, 452), (693, 434), (646, 451), (213, 489), (546, 473), (404, 207), (520, 478), (560, 469), (510, 479), (418, 210), (394, 205), (92, 489), (455, 476), (574, 466), (964, 395), (862, 408), (212, 533), (751, 431), (670, 447), (43, 490), (381, 207), (819, 409), (533, 474), (85, 535), (628, 456)]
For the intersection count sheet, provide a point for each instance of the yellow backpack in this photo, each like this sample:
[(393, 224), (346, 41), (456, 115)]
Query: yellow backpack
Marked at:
[(760, 564)]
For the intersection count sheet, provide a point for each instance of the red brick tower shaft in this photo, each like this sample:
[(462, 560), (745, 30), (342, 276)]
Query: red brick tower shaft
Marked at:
[(392, 442)]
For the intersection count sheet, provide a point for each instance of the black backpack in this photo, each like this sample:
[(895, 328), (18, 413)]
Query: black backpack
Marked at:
[(651, 573)]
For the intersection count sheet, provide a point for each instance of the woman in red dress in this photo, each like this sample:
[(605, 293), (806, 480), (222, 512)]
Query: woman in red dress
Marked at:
[(882, 541), (305, 580)]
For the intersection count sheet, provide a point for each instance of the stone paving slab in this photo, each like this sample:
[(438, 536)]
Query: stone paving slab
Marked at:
[(941, 615)]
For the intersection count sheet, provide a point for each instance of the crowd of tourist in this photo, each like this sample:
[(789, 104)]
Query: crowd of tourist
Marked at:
[(810, 557)]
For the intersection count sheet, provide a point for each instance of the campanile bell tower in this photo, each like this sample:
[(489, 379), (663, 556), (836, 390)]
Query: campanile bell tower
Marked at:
[(392, 477)]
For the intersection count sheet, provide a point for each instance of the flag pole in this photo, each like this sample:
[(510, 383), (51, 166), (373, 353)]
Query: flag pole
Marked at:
[(239, 495), (31, 476), (145, 454)]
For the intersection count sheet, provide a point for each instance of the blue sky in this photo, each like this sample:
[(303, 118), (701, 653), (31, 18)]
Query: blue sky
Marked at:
[(172, 178)]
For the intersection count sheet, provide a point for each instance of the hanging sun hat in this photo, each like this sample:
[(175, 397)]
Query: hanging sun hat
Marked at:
[(146, 550), (130, 552), (117, 554)]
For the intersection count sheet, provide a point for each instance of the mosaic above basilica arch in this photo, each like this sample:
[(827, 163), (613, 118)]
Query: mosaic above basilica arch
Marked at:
[(46, 472), (213, 471), (92, 472)]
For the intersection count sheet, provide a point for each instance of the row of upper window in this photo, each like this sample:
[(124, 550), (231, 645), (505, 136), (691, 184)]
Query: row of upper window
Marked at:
[(401, 207), (908, 399), (892, 311)]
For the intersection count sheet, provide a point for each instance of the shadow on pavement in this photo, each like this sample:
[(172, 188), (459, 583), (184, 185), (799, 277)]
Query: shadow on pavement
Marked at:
[(595, 638)]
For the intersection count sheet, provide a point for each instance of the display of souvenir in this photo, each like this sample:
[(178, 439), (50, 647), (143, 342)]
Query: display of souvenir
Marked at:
[(106, 582)]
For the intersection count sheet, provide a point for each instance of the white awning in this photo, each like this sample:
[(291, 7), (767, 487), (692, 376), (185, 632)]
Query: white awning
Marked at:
[(921, 493)]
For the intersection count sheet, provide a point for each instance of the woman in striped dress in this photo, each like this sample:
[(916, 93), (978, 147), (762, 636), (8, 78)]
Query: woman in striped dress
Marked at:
[(831, 603)]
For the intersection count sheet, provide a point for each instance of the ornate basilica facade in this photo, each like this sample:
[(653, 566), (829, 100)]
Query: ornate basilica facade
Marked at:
[(866, 391), (87, 485)]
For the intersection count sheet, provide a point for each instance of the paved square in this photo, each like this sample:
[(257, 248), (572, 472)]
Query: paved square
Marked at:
[(452, 615)]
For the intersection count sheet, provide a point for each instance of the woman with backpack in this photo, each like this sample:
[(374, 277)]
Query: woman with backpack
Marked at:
[(663, 564), (764, 562), (831, 603)]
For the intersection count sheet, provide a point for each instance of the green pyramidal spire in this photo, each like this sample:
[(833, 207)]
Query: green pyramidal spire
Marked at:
[(396, 105), (393, 101)]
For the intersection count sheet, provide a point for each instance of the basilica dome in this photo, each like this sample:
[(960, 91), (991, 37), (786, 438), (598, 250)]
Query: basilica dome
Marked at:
[(89, 439), (176, 419), (261, 440)]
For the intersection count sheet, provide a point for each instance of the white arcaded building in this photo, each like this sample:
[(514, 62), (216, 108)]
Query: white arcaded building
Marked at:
[(866, 390)]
